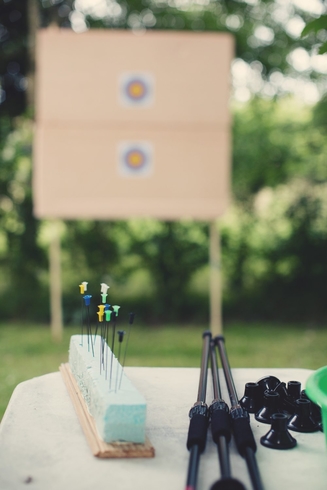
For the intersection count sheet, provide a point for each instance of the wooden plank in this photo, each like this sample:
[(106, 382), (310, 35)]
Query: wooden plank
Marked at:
[(189, 73), (99, 448), (187, 173)]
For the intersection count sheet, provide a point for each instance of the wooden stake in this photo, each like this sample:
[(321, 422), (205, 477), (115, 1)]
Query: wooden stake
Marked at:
[(215, 280), (55, 283)]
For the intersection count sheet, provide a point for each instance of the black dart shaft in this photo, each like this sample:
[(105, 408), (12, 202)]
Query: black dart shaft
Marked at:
[(240, 420), (199, 419), (221, 431)]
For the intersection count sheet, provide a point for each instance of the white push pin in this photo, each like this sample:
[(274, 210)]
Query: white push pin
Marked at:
[(85, 285), (104, 287)]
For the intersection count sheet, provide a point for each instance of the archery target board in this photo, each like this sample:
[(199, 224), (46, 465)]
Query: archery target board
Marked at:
[(132, 124)]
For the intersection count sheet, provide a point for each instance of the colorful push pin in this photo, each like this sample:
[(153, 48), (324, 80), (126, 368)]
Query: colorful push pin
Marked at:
[(131, 318), (116, 309), (104, 287), (87, 299), (84, 283), (101, 308), (104, 297), (121, 334), (108, 315), (106, 307), (100, 315), (81, 288)]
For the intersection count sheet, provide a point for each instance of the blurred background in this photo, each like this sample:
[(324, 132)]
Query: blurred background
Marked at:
[(274, 236)]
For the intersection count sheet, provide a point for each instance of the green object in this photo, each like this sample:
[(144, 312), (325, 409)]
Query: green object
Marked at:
[(116, 308), (104, 297), (108, 315), (316, 389)]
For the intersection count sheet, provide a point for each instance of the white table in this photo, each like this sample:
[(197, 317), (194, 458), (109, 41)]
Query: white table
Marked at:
[(42, 446)]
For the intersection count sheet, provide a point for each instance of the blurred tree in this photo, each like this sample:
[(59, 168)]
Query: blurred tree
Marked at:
[(275, 255), (21, 258), (272, 143), (13, 56), (172, 251), (318, 26), (275, 141), (320, 114), (92, 249)]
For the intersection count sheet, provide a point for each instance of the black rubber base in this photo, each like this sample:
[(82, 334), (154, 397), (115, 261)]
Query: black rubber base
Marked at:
[(278, 437)]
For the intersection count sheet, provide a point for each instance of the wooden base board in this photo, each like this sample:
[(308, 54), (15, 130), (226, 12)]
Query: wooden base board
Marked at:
[(99, 448)]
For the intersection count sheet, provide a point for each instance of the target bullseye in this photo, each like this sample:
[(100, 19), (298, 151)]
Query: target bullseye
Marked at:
[(135, 158), (136, 89)]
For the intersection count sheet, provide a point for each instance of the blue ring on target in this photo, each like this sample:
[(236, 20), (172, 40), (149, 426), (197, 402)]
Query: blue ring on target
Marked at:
[(135, 159), (136, 90)]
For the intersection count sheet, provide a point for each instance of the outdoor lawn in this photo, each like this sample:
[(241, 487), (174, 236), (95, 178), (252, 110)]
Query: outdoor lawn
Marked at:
[(27, 351)]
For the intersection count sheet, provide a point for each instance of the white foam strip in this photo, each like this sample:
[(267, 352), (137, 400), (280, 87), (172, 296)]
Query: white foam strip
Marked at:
[(119, 413)]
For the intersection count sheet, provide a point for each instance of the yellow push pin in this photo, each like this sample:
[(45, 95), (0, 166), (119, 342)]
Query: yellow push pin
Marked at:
[(81, 288), (100, 316)]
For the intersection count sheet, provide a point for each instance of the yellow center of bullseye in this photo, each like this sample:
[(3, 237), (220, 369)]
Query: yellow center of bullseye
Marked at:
[(136, 90), (135, 159)]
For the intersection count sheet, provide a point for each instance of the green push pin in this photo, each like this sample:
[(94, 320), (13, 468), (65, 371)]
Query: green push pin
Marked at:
[(108, 315), (115, 308), (104, 297)]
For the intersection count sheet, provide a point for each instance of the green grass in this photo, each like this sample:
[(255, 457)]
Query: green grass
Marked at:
[(27, 351)]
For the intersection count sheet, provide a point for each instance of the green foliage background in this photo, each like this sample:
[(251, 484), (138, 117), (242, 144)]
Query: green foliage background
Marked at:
[(274, 237)]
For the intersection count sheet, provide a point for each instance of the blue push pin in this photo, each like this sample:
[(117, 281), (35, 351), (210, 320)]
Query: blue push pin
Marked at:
[(106, 307), (87, 299)]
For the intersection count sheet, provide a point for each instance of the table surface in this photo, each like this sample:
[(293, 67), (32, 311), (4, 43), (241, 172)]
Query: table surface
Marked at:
[(42, 445)]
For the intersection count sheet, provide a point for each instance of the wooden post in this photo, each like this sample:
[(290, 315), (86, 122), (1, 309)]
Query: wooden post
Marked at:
[(55, 283), (215, 280)]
